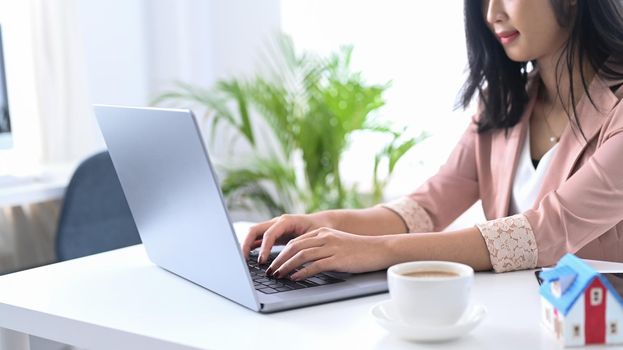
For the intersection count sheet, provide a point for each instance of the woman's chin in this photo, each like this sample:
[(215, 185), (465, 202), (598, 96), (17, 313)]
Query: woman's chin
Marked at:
[(518, 55)]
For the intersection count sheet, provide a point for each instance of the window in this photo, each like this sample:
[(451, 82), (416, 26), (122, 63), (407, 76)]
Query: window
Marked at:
[(596, 296), (576, 330), (548, 316), (555, 288), (613, 327)]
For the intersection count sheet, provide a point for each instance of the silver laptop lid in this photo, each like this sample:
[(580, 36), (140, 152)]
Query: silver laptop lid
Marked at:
[(173, 193)]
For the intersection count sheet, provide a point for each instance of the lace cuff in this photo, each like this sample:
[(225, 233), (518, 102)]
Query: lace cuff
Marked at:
[(511, 243), (414, 216)]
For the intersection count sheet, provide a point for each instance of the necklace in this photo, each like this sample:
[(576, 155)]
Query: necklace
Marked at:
[(553, 138)]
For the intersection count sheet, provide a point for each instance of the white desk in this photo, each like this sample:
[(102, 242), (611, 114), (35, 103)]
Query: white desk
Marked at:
[(46, 184), (120, 300)]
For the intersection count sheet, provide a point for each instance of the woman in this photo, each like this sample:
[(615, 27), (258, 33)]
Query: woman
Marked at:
[(544, 154)]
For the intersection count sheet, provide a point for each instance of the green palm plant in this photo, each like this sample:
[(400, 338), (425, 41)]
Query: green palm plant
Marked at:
[(310, 107)]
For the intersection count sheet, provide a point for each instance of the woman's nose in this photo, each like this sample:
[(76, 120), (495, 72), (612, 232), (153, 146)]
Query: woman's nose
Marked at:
[(494, 11)]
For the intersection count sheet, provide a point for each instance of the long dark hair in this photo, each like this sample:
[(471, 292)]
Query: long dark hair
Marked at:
[(596, 35)]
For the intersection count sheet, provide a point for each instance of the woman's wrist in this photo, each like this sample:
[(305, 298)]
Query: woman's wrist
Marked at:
[(327, 218), (393, 247)]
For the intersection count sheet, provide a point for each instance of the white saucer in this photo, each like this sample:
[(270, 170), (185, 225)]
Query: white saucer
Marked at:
[(385, 315)]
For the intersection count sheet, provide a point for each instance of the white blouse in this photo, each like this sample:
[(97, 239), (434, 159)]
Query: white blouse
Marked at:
[(528, 180)]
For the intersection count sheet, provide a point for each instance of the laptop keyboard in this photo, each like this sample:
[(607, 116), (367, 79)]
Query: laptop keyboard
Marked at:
[(270, 285)]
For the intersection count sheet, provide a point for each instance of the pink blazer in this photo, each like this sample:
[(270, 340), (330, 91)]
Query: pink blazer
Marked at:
[(579, 208)]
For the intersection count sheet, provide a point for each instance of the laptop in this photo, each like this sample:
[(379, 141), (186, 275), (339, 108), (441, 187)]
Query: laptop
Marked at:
[(174, 196)]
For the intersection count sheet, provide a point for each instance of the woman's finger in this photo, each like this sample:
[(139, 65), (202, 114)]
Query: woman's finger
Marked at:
[(285, 224), (309, 234), (256, 244), (316, 267), (304, 256), (291, 249), (255, 233)]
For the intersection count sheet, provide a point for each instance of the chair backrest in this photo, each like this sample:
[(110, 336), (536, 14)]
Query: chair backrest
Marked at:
[(95, 216)]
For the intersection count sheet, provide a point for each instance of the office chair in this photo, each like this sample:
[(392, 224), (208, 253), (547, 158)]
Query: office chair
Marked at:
[(95, 216)]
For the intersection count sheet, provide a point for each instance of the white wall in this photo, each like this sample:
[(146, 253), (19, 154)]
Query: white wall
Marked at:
[(137, 48), (116, 40)]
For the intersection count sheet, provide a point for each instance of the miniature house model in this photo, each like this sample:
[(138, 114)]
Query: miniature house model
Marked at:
[(580, 306)]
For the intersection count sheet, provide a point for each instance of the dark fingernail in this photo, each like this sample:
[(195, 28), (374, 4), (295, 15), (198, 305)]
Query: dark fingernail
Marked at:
[(269, 271), (277, 274)]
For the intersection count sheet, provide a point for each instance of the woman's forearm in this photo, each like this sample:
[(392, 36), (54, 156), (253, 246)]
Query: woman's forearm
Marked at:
[(374, 221), (465, 246)]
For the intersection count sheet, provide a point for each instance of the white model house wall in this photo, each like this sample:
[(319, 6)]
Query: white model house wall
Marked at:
[(547, 314), (614, 319), (573, 324)]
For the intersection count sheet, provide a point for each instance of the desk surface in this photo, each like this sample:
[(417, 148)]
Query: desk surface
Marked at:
[(119, 299), (46, 184)]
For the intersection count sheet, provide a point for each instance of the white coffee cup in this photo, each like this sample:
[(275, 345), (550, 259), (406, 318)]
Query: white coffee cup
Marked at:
[(421, 297)]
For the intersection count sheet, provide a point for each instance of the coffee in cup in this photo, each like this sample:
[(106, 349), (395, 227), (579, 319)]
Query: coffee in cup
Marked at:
[(431, 274)]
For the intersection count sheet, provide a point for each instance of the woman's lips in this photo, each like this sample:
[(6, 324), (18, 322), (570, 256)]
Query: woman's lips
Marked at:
[(507, 37)]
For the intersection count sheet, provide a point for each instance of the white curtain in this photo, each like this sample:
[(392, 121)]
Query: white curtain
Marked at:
[(69, 128), (64, 116), (68, 131)]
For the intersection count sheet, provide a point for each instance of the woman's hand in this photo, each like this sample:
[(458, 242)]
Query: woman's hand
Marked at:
[(327, 249), (281, 230)]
